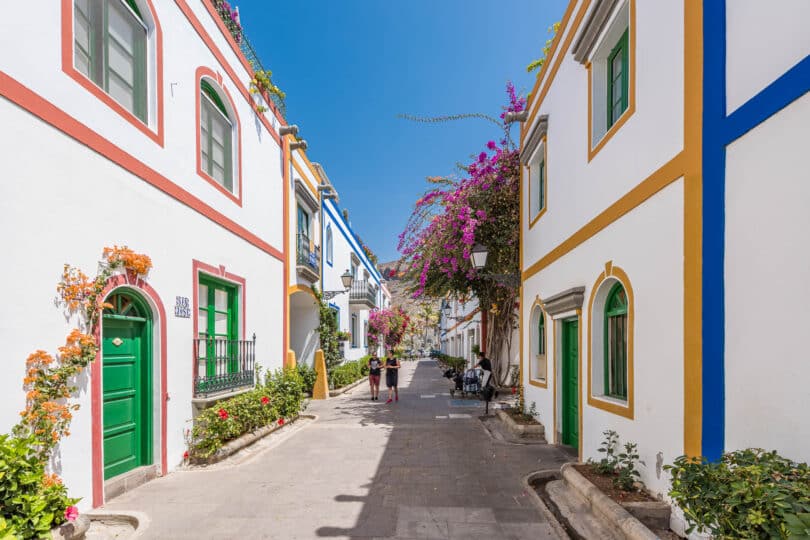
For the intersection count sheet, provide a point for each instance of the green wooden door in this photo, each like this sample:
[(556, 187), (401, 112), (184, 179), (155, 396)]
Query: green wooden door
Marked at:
[(126, 383), (570, 383)]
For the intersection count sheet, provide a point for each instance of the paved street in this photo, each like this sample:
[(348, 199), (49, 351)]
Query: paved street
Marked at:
[(421, 468)]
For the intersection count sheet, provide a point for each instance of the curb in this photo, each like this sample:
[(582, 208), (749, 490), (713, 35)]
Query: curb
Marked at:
[(520, 429), (607, 508), (245, 440), (71, 530), (538, 502), (139, 520), (339, 391)]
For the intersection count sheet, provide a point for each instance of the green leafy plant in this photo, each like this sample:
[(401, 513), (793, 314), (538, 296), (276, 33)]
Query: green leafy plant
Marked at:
[(262, 84), (537, 64), (627, 473), (748, 493), (328, 333), (609, 463), (308, 376), (532, 412), (349, 372), (31, 501), (281, 396)]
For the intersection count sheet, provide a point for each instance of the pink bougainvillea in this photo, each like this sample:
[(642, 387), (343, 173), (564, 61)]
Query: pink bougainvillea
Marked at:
[(387, 327)]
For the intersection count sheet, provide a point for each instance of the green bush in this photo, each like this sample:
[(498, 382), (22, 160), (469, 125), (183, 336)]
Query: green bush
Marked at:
[(349, 372), (447, 361), (281, 396), (308, 376), (747, 494), (31, 502)]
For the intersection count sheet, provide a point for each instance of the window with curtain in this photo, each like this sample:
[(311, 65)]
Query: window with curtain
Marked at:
[(329, 249), (616, 342), (109, 48), (216, 137)]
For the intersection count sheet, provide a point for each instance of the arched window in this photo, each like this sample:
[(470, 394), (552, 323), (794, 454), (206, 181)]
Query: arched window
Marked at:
[(538, 366), (110, 49), (329, 252), (216, 137), (615, 342)]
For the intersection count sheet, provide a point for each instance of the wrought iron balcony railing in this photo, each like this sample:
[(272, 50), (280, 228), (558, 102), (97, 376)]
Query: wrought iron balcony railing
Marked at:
[(308, 259), (223, 364), (363, 292), (230, 17)]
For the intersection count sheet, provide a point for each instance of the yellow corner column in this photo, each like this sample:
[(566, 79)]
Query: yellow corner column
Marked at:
[(291, 362), (321, 388)]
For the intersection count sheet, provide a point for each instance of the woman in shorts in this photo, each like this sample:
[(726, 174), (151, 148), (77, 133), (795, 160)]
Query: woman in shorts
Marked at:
[(391, 376), (374, 369)]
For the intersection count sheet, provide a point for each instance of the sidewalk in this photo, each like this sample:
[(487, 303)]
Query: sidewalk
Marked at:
[(421, 468)]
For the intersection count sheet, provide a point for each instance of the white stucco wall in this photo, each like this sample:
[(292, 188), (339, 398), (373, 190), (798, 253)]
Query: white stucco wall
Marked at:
[(647, 244), (579, 189), (767, 290), (764, 40), (67, 202)]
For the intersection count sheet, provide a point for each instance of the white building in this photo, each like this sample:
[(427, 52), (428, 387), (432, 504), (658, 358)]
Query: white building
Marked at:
[(663, 221), (131, 122), (343, 253), (460, 329)]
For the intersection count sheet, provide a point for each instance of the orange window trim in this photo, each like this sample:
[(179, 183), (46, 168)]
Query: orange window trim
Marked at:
[(32, 102), (67, 67), (209, 73)]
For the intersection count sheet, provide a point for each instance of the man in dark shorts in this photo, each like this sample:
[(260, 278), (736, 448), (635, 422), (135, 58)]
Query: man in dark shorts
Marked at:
[(374, 369), (486, 367), (392, 366)]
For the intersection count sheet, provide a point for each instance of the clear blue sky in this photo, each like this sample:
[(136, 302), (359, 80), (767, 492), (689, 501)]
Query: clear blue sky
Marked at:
[(350, 66)]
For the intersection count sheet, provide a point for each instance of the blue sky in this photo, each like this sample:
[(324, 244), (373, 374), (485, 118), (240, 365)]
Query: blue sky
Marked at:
[(349, 67)]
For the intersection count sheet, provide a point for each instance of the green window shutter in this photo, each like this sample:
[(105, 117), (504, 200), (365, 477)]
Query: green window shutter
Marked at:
[(542, 187), (218, 316), (213, 119), (615, 343), (134, 7), (212, 94), (541, 334), (618, 80)]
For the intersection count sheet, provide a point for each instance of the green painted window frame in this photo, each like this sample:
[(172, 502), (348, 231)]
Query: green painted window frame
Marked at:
[(212, 106), (621, 50), (100, 40), (541, 334), (541, 188), (615, 345), (232, 314)]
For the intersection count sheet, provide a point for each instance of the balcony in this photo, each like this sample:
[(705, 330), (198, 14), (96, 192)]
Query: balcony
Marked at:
[(308, 261), (363, 293), (221, 365)]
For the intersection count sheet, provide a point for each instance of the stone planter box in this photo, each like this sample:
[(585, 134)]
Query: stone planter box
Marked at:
[(521, 430), (623, 518), (72, 530), (245, 440), (339, 391)]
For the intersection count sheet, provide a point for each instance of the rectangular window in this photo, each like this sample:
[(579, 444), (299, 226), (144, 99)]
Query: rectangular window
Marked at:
[(218, 321), (365, 334), (354, 331), (541, 188), (617, 82), (109, 48), (617, 356), (215, 143)]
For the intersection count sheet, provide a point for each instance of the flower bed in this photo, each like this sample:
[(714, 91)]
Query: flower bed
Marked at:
[(280, 397), (606, 482), (521, 418)]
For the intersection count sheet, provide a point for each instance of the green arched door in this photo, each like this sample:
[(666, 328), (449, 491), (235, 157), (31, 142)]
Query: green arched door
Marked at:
[(127, 383)]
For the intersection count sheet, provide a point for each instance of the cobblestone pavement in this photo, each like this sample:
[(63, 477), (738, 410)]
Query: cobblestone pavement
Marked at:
[(424, 467)]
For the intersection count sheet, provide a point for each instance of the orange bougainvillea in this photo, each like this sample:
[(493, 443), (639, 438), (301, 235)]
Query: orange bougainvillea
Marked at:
[(49, 380)]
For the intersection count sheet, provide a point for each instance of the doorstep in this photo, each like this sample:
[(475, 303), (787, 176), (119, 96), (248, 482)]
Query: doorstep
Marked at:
[(128, 481)]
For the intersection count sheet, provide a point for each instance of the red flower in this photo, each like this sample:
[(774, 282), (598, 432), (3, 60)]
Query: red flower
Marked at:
[(223, 414), (265, 400), (185, 454), (281, 421), (71, 513)]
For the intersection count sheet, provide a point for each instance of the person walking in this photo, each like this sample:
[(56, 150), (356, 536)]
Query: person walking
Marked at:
[(374, 369), (486, 367), (392, 366)]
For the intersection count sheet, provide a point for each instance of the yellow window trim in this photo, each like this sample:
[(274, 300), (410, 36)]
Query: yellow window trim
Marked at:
[(545, 184), (627, 411), (540, 383), (631, 99)]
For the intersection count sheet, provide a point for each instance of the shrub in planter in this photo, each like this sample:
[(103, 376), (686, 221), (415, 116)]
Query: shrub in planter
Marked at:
[(308, 376), (31, 501), (749, 493), (286, 390)]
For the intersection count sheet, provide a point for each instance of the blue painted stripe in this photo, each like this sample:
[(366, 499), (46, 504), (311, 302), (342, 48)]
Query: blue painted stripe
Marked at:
[(720, 130), (350, 237), (713, 293), (792, 85)]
